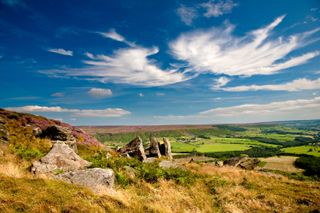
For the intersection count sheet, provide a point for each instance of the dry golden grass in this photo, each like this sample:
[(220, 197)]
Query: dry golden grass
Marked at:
[(224, 189), (251, 191)]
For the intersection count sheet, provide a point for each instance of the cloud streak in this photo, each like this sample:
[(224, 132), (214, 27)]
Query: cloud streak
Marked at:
[(295, 85), (112, 34), (217, 8), (61, 51), (211, 8), (109, 112), (218, 51), (99, 92), (126, 66), (274, 111)]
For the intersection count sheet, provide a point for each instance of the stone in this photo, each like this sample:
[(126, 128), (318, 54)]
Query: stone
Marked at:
[(134, 149), (242, 162), (97, 179), (154, 148), (166, 164), (37, 131), (167, 147), (219, 163), (249, 163), (61, 134), (60, 157), (54, 133)]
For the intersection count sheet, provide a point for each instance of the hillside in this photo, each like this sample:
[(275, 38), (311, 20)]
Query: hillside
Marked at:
[(182, 185)]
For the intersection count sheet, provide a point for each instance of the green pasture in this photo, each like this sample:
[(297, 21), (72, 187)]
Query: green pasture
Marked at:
[(308, 150)]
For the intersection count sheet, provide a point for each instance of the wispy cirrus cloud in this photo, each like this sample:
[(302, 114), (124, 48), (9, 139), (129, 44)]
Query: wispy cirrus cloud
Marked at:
[(100, 92), (216, 8), (274, 111), (295, 85), (218, 51), (109, 112), (220, 82), (187, 14), (211, 8), (112, 34), (127, 66), (61, 51)]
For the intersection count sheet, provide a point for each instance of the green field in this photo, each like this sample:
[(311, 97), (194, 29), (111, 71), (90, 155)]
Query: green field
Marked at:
[(308, 150), (260, 139)]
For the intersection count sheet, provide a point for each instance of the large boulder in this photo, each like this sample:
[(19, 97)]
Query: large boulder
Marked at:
[(62, 134), (96, 179), (242, 162), (55, 133), (134, 149), (167, 148), (154, 148), (60, 157)]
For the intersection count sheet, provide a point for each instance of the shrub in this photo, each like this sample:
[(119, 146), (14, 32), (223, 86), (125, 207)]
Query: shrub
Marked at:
[(310, 164)]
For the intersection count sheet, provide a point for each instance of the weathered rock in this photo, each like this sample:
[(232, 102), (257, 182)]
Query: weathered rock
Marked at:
[(134, 149), (167, 146), (60, 157), (219, 163), (233, 161), (61, 134), (165, 164), (4, 135), (1, 153), (150, 160), (37, 131), (154, 148), (242, 162), (55, 133), (96, 179), (249, 163)]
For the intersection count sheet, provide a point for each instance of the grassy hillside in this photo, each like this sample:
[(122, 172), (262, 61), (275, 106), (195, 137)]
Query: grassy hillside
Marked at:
[(147, 187)]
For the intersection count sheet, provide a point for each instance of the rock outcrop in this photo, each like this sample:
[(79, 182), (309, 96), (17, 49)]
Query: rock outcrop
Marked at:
[(96, 179), (134, 149), (60, 157), (242, 162), (4, 135), (167, 148), (154, 150), (61, 134)]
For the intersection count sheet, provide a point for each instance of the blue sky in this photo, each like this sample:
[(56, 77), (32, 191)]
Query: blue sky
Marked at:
[(161, 62)]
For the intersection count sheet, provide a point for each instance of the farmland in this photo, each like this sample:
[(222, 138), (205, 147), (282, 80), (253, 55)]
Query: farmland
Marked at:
[(259, 140)]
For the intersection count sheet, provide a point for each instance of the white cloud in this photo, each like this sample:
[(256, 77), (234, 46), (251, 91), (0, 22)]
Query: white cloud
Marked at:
[(296, 85), (218, 51), (274, 111), (109, 112), (112, 34), (212, 8), (127, 66), (57, 94), (187, 14), (99, 92), (220, 82), (61, 51), (218, 8)]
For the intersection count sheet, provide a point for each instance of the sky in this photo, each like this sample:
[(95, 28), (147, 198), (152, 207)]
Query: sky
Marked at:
[(161, 62)]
